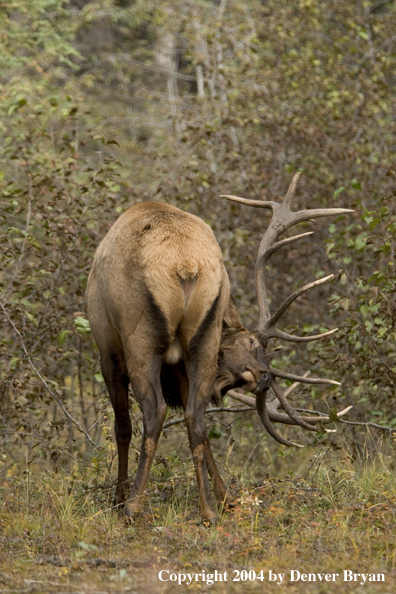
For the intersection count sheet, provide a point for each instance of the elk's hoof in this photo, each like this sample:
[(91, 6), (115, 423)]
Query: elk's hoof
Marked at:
[(121, 494), (119, 506), (133, 509), (209, 518), (227, 507), (209, 522)]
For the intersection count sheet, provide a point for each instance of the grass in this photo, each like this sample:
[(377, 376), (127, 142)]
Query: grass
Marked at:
[(58, 532)]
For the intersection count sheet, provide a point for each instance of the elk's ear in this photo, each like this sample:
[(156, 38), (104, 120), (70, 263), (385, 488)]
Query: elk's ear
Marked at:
[(231, 317)]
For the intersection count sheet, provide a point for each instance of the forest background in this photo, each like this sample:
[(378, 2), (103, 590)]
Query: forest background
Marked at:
[(107, 103)]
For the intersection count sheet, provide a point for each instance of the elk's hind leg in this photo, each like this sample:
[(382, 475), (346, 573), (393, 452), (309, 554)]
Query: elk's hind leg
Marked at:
[(117, 384), (145, 380)]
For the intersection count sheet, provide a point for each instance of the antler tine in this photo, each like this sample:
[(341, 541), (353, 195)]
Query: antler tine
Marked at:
[(275, 404), (294, 386), (277, 417), (287, 407), (292, 188), (270, 331), (257, 203), (302, 379), (271, 250), (262, 410), (282, 219), (276, 333)]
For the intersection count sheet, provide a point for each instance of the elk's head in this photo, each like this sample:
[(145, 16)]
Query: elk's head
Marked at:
[(242, 362)]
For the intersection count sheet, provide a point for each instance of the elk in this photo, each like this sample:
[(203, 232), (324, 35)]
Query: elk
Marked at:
[(160, 311)]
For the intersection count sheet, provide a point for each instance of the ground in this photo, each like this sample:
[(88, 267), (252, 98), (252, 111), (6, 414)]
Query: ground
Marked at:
[(59, 533)]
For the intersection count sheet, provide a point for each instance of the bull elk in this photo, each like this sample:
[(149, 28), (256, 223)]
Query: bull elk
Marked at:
[(160, 311)]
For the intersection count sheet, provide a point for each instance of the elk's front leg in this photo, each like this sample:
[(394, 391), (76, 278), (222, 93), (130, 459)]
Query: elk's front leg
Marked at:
[(219, 487), (195, 420)]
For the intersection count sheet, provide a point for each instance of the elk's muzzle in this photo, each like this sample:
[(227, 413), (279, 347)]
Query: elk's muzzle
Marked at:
[(263, 383), (259, 379)]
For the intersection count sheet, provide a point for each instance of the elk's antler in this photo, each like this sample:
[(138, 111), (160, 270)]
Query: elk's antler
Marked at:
[(277, 417), (282, 219)]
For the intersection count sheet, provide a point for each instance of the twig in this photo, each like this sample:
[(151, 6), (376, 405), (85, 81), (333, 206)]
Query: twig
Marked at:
[(41, 582), (369, 424), (29, 213), (374, 50), (233, 409), (54, 396)]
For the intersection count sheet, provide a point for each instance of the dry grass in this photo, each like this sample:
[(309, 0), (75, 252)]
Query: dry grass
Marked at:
[(59, 533)]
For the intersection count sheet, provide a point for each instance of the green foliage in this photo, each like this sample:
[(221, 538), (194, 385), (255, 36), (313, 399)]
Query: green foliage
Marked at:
[(366, 298), (56, 170)]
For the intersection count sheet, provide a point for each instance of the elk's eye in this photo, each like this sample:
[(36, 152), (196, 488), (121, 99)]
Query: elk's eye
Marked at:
[(252, 343)]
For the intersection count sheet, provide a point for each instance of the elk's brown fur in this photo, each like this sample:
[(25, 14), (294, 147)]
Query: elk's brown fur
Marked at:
[(158, 303)]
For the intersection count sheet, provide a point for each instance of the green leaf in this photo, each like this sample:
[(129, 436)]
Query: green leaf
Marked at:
[(333, 414), (34, 242), (14, 362), (329, 246), (214, 432), (82, 326), (362, 33), (383, 211), (62, 336), (356, 185), (32, 318), (25, 302), (338, 191)]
